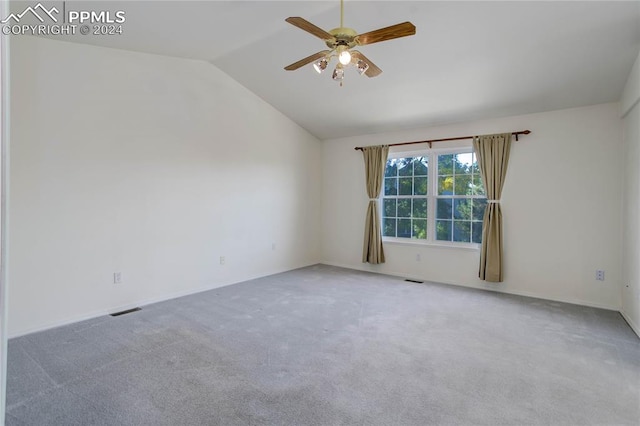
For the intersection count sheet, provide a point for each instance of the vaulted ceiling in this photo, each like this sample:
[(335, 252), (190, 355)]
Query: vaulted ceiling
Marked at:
[(467, 61)]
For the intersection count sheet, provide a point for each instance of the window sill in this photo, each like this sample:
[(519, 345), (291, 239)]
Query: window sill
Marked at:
[(434, 244)]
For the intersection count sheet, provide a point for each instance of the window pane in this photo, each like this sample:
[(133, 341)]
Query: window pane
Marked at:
[(445, 164), (405, 166), (390, 207), (404, 207), (390, 186), (475, 168), (462, 163), (461, 231), (420, 166), (476, 186), (391, 169), (406, 186), (420, 186), (476, 228), (445, 185), (462, 209), (443, 208), (419, 207), (479, 205), (462, 185), (477, 180), (443, 230), (404, 228), (389, 227), (420, 229)]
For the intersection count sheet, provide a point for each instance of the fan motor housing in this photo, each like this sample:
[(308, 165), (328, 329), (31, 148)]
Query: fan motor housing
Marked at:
[(342, 37)]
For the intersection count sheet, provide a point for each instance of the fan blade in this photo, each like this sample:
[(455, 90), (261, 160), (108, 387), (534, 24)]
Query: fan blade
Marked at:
[(307, 26), (373, 70), (307, 60), (395, 31)]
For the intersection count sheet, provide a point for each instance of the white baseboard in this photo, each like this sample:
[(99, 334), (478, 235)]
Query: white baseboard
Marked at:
[(148, 301), (572, 301), (633, 325), (364, 267)]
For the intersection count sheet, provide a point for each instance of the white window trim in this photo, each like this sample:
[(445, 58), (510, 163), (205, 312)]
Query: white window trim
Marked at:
[(431, 153)]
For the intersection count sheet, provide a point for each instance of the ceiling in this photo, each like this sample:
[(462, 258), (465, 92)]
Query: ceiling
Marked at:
[(467, 61)]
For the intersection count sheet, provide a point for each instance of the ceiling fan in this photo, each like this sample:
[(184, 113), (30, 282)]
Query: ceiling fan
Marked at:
[(341, 41)]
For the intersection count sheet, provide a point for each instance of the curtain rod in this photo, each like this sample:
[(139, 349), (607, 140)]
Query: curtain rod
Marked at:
[(521, 132)]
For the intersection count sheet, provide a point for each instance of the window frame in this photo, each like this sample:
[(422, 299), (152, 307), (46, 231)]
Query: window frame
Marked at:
[(432, 196)]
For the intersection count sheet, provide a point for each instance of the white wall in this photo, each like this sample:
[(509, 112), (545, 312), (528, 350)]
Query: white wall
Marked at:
[(150, 166), (630, 110), (561, 204)]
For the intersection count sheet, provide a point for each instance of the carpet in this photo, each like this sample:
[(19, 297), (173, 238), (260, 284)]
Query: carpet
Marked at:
[(330, 346)]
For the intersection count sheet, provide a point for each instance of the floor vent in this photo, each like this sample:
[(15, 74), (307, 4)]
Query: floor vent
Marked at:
[(414, 281), (128, 311)]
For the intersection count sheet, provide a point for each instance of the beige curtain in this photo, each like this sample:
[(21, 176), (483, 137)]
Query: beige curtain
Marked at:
[(375, 160), (492, 152)]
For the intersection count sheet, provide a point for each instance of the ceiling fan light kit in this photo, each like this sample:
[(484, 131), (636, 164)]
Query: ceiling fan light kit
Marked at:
[(362, 66), (321, 65), (344, 57), (341, 41), (338, 73)]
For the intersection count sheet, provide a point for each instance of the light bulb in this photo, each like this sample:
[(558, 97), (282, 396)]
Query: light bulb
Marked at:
[(344, 57)]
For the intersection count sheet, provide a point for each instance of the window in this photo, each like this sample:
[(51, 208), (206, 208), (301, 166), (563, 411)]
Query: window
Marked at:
[(434, 197), (405, 198)]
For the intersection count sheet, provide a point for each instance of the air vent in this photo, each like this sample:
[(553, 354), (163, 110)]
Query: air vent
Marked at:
[(414, 281), (128, 311)]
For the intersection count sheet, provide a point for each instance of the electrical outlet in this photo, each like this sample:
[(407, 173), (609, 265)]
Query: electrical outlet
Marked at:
[(222, 260), (117, 277), (599, 275), (273, 246), (418, 257)]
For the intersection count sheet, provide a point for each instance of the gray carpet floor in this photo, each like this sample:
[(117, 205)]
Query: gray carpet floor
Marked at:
[(330, 346)]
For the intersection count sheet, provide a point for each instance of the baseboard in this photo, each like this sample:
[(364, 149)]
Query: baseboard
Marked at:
[(175, 295), (148, 301), (571, 301), (633, 325)]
